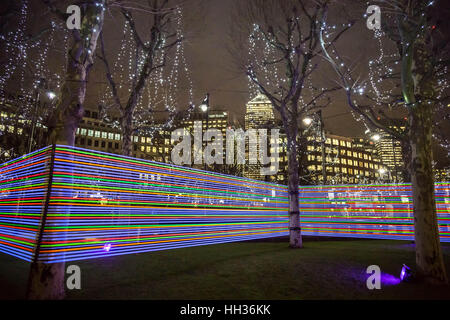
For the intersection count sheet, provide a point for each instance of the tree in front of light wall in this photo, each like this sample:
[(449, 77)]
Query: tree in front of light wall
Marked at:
[(411, 81), (153, 58), (278, 48)]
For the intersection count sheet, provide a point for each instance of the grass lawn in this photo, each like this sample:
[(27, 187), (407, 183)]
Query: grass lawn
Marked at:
[(246, 270)]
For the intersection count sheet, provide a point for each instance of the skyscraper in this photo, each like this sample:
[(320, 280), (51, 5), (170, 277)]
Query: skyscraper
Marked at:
[(258, 115), (390, 152)]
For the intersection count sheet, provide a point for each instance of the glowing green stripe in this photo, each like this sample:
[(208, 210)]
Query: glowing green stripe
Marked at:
[(162, 225), (17, 241)]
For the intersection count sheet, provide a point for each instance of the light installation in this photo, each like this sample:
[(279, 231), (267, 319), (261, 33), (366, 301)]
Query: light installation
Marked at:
[(63, 204)]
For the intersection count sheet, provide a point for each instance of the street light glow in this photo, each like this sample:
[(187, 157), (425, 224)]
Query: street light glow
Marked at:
[(51, 95), (307, 121), (376, 137), (204, 107)]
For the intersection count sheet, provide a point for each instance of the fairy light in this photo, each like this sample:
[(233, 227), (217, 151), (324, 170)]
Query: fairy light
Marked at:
[(163, 85), (273, 75)]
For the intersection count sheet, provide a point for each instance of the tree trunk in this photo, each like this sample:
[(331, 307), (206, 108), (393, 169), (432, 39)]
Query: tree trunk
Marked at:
[(418, 81), (127, 131), (406, 154), (295, 237), (46, 281), (80, 59), (429, 260)]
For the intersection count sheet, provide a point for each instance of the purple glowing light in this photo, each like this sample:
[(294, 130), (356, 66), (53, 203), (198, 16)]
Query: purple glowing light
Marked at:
[(389, 279), (107, 247), (405, 273)]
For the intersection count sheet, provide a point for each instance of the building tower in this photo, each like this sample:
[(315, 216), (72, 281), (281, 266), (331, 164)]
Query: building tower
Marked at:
[(258, 115)]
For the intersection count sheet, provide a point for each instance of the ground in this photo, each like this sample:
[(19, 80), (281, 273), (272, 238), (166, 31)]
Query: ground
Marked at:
[(323, 269)]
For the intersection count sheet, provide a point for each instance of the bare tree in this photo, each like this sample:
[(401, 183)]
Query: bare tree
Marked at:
[(412, 81), (280, 60), (80, 60), (152, 52), (46, 280)]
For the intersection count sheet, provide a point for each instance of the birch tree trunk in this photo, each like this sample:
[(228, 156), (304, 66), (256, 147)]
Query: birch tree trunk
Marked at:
[(406, 152), (418, 82), (46, 281), (429, 260), (127, 131), (295, 237)]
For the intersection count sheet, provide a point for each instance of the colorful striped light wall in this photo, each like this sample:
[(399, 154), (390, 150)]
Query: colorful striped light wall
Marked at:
[(93, 204)]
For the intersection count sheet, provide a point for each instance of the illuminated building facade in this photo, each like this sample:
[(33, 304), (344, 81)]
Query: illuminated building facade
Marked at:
[(94, 134), (347, 160), (217, 119), (442, 175), (259, 115), (390, 151)]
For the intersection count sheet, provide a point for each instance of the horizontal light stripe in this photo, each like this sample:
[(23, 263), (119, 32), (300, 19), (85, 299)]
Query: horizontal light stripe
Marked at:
[(101, 201)]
